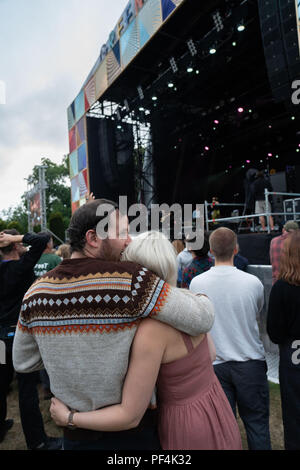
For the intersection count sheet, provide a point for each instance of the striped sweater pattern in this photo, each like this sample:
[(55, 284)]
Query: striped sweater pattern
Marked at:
[(99, 298)]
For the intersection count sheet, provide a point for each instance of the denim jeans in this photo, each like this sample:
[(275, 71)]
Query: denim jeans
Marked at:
[(246, 387), (144, 437), (289, 379), (31, 418)]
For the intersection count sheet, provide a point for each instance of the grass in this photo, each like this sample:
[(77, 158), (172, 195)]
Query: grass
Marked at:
[(14, 439)]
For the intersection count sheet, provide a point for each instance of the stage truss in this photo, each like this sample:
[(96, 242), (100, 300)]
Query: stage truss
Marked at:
[(144, 173)]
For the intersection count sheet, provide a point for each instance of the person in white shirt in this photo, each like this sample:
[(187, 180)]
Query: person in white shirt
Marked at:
[(184, 259), (240, 364)]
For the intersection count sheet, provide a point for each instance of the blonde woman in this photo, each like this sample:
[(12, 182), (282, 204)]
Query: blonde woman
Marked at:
[(194, 412)]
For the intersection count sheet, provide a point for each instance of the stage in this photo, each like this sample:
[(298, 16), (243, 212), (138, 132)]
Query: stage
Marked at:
[(256, 246)]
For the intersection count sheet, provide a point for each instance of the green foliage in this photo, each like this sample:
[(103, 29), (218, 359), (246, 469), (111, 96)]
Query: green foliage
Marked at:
[(16, 214), (3, 225), (58, 199), (16, 225), (37, 228), (56, 225)]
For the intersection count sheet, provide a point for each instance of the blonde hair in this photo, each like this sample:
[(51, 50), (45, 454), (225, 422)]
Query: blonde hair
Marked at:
[(154, 251), (64, 251)]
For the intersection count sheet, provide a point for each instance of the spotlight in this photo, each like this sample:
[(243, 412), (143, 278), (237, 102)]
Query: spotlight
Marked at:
[(234, 43), (212, 50), (171, 85), (190, 69), (216, 121), (241, 27), (154, 98), (192, 47), (173, 65), (140, 92), (206, 148), (240, 110), (141, 109)]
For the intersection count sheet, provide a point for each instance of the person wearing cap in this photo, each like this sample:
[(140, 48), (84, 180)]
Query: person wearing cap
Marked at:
[(276, 247)]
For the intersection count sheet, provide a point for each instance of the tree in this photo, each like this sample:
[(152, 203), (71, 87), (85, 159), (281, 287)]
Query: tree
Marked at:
[(15, 225), (58, 197), (18, 215), (56, 225), (3, 225)]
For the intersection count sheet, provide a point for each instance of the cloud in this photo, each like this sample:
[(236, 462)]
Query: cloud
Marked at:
[(49, 49)]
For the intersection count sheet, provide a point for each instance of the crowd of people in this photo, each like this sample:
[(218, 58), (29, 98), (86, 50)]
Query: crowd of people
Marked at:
[(145, 344)]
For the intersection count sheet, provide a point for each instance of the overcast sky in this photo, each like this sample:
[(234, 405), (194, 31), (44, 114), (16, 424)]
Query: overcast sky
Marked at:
[(47, 49)]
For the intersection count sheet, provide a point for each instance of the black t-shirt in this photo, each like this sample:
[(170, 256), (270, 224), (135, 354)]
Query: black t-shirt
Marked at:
[(283, 322), (16, 277), (259, 186)]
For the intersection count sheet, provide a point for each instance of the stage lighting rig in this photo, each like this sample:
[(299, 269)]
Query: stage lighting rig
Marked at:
[(192, 48), (173, 65), (218, 21), (140, 92)]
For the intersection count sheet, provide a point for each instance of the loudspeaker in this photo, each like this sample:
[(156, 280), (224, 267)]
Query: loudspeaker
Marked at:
[(110, 159), (278, 22)]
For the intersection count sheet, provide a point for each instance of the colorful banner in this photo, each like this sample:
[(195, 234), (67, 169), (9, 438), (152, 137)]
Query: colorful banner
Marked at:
[(138, 23), (140, 20)]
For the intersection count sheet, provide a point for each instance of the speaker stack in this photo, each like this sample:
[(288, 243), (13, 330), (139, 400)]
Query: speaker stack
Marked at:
[(278, 20)]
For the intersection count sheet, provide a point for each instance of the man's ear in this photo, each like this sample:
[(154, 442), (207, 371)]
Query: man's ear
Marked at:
[(236, 250), (92, 238)]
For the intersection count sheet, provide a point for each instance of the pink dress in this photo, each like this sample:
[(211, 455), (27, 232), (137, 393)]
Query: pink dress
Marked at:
[(194, 413)]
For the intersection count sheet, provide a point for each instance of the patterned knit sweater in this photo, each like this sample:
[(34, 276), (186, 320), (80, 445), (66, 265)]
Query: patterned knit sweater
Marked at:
[(78, 322)]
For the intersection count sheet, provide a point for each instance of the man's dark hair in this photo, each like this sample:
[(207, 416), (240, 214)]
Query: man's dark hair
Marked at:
[(8, 249), (84, 219), (46, 234), (205, 249)]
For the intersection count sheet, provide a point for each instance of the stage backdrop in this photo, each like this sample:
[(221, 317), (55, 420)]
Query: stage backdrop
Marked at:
[(140, 20)]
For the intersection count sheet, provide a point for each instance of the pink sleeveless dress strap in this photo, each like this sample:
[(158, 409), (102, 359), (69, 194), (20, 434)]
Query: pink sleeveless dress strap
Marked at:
[(188, 342)]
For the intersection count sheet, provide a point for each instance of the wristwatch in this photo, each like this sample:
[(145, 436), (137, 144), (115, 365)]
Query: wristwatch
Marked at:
[(70, 424)]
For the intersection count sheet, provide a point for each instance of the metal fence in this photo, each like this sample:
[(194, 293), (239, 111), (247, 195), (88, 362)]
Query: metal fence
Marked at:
[(241, 218), (264, 273)]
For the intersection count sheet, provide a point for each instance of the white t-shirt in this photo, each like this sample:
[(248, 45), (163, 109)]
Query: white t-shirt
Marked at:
[(238, 298), (184, 259)]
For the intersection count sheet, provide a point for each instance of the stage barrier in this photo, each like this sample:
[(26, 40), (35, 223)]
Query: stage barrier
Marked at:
[(264, 274), (267, 214)]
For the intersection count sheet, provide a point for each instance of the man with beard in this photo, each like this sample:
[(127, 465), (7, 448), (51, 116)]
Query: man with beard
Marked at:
[(79, 320)]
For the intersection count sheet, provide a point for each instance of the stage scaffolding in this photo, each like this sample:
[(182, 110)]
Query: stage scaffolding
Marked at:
[(144, 173)]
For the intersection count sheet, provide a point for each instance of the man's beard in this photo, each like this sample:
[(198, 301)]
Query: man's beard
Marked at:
[(107, 253)]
